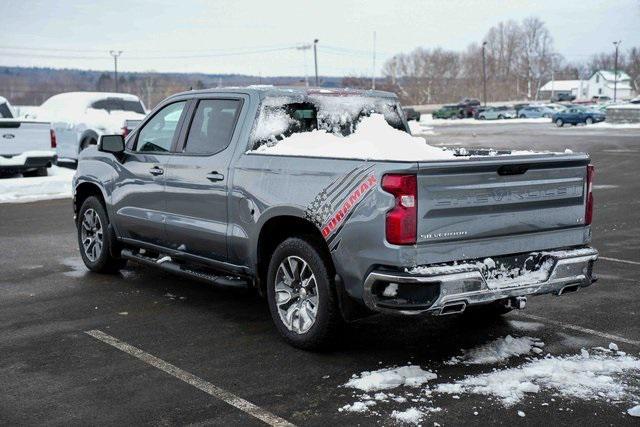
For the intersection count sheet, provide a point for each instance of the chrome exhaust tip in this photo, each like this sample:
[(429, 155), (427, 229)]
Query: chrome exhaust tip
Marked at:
[(453, 308), (569, 288)]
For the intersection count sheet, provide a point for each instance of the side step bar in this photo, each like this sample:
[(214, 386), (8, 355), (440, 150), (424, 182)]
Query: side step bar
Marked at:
[(191, 272)]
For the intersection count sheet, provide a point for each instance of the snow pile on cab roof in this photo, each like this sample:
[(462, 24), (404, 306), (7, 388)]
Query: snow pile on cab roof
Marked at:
[(373, 139)]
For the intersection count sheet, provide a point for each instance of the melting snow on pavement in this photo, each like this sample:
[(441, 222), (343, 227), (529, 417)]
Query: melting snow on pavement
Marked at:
[(55, 186), (498, 350), (404, 394)]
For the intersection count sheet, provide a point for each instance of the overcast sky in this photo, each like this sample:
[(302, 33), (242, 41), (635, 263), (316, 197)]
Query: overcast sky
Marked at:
[(256, 37)]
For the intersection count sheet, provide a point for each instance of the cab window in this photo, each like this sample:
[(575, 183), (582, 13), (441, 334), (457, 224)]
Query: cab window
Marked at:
[(212, 126), (157, 135)]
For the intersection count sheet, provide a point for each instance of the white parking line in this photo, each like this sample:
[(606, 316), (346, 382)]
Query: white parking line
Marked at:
[(624, 261), (215, 391), (581, 329)]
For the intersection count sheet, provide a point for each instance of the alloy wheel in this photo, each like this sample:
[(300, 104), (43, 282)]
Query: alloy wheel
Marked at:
[(91, 235), (296, 294)]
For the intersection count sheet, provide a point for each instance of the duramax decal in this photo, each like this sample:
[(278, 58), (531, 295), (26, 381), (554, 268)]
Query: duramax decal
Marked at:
[(335, 203)]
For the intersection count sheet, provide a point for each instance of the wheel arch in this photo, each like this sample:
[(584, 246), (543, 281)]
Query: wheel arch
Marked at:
[(87, 134), (278, 228), (85, 190)]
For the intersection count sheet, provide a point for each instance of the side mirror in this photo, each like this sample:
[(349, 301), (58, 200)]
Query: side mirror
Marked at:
[(113, 144)]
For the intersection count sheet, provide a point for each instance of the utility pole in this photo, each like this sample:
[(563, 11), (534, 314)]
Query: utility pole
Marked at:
[(484, 74), (304, 48), (615, 70), (315, 58), (373, 74), (115, 54)]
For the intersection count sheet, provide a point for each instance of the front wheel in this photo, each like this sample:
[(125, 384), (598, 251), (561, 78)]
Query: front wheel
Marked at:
[(522, 116), (588, 121), (93, 238), (559, 123), (301, 295), (500, 117)]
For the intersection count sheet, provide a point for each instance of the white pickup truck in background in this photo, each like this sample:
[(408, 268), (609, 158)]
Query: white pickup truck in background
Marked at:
[(80, 118), (26, 146)]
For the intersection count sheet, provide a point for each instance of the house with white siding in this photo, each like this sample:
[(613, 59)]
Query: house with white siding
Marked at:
[(601, 83), (577, 88)]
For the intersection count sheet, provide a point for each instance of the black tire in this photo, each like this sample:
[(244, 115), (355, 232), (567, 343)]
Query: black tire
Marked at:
[(488, 311), (500, 117), (36, 172), (559, 123), (588, 121), (482, 118), (522, 116), (104, 262), (328, 321)]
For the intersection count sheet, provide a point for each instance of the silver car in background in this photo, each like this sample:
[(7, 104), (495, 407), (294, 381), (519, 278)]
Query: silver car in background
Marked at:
[(497, 113), (536, 112)]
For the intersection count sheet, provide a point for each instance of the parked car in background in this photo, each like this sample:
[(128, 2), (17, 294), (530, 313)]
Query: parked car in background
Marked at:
[(493, 113), (411, 114), (601, 99), (559, 97), (556, 107), (446, 112), (26, 146), (577, 114), (635, 100), (520, 106), (467, 108), (535, 112), (79, 118)]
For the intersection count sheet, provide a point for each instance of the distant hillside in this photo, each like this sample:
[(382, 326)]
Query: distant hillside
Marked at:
[(32, 86)]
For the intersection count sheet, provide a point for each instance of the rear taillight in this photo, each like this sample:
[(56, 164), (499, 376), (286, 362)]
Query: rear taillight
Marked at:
[(54, 141), (402, 220), (588, 212)]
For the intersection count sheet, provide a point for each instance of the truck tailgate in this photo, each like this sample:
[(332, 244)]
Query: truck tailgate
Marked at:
[(503, 196), (18, 136)]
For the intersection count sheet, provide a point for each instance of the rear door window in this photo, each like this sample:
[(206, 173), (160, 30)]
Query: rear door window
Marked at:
[(212, 126)]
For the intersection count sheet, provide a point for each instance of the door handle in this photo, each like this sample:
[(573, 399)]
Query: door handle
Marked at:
[(215, 176), (156, 171)]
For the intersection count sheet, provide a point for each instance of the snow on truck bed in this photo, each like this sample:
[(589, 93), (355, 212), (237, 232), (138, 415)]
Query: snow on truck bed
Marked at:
[(373, 139)]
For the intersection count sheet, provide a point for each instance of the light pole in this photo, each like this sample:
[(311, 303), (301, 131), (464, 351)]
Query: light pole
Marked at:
[(615, 70), (373, 74), (115, 54), (484, 74), (304, 49), (315, 57)]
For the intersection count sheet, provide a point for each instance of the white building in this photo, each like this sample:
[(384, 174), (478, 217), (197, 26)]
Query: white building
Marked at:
[(577, 88), (601, 84)]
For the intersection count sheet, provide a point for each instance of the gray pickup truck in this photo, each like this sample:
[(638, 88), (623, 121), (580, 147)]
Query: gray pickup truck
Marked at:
[(329, 238)]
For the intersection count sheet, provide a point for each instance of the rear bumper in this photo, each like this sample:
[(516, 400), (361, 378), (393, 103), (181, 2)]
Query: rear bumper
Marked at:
[(27, 160), (465, 285)]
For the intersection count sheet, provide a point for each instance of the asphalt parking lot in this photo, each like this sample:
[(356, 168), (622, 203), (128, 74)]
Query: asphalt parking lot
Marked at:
[(53, 372)]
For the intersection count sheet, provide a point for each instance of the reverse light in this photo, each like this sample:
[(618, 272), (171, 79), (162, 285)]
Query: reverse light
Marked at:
[(54, 140), (402, 220), (588, 213)]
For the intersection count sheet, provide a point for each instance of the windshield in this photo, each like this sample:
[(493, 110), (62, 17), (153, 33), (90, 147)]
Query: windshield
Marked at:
[(118, 104), (336, 114)]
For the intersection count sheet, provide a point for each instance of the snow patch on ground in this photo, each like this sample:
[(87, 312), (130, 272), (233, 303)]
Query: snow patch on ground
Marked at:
[(55, 186), (525, 326), (410, 416), (389, 378), (609, 125), (635, 411), (373, 139), (498, 350), (600, 375), (419, 128)]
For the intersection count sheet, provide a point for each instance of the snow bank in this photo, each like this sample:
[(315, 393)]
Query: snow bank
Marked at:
[(388, 378), (55, 186), (597, 376), (373, 139), (635, 411), (609, 125), (498, 350)]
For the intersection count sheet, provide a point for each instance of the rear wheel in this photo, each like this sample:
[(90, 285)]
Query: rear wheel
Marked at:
[(500, 117), (588, 121), (522, 116), (301, 294), (94, 239), (559, 123)]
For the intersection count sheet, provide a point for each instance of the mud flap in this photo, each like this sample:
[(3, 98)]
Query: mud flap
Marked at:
[(349, 308)]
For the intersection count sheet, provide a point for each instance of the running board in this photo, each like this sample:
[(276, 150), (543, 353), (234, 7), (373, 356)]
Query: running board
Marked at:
[(191, 272)]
